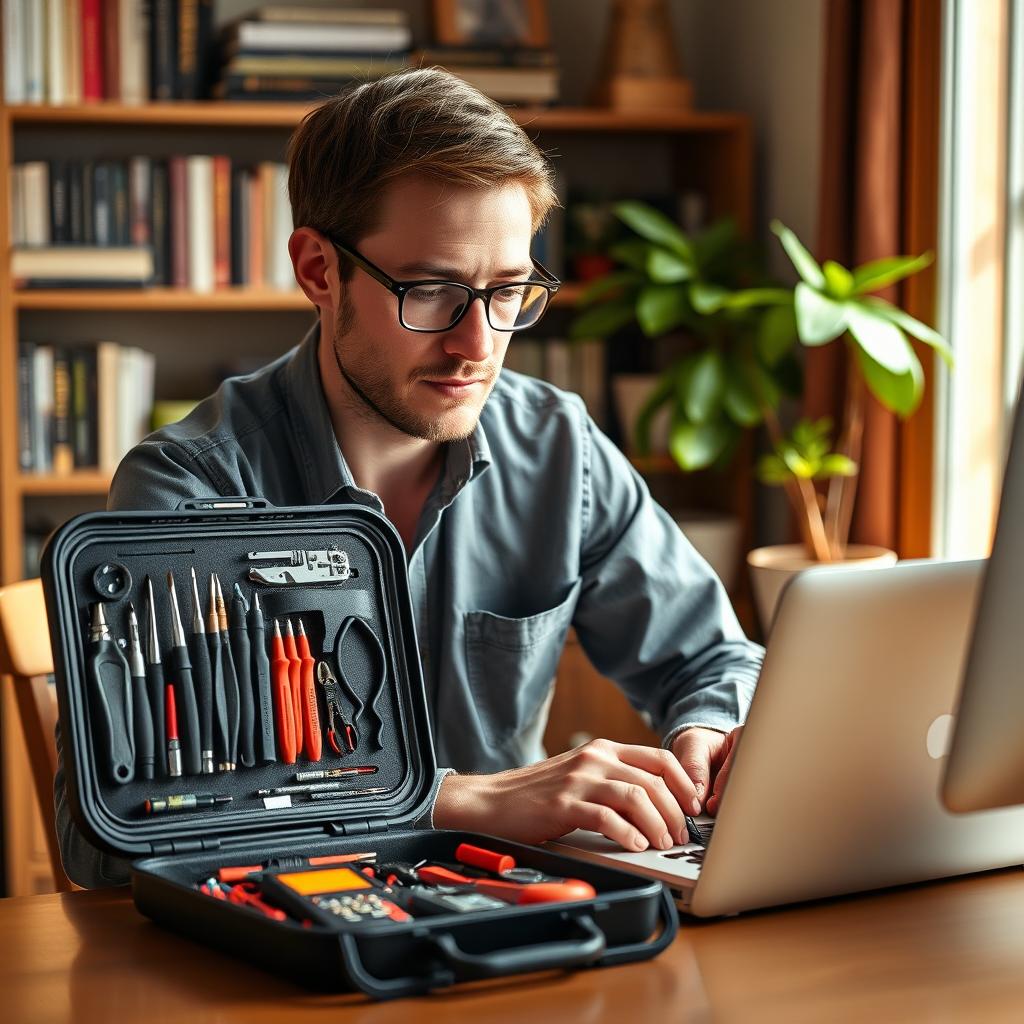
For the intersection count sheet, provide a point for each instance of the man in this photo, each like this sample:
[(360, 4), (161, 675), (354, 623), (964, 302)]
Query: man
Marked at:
[(518, 516)]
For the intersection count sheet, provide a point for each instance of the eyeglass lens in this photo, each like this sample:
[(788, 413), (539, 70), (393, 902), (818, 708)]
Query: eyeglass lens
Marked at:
[(435, 307)]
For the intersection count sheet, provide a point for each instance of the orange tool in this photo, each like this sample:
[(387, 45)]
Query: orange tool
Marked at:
[(548, 890), (281, 687), (310, 712), (478, 857), (239, 874), (295, 680)]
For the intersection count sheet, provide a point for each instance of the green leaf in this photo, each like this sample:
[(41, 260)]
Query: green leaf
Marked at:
[(655, 227), (795, 462), (662, 392), (776, 333), (747, 298), (836, 465), (899, 392), (772, 470), (632, 253), (819, 319), (697, 445), (740, 402), (707, 298), (914, 327), (602, 321), (665, 267), (715, 242), (838, 280), (602, 286), (660, 307), (704, 387), (806, 265), (880, 338), (869, 277)]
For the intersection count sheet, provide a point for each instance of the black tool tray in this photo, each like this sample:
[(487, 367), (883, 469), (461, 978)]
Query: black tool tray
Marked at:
[(172, 853)]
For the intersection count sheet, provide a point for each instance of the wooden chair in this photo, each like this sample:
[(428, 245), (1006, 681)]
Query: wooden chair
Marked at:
[(26, 656)]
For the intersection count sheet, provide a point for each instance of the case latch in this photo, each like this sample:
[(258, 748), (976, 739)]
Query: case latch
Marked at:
[(357, 828), (176, 846)]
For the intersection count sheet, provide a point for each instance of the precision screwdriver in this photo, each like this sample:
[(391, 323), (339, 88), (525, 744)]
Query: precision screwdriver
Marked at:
[(185, 692), (238, 630), (142, 715), (202, 676), (155, 677), (112, 697), (310, 711), (230, 675), (294, 682), (261, 682), (222, 742)]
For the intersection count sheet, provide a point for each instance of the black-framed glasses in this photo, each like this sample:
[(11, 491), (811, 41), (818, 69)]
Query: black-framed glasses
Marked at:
[(430, 306)]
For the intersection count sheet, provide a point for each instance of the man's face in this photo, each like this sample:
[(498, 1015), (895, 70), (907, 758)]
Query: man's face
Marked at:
[(432, 386)]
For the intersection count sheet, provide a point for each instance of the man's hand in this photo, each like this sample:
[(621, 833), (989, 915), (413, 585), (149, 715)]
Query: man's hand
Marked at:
[(636, 796), (706, 757)]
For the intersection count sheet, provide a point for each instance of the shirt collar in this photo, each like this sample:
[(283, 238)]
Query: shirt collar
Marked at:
[(326, 475)]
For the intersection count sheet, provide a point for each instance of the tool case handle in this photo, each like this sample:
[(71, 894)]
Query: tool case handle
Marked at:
[(221, 504), (586, 947)]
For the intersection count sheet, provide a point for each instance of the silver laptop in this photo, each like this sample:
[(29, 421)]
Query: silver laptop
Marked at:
[(835, 786)]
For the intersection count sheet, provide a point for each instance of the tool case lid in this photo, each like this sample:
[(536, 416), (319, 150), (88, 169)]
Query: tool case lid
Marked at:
[(211, 538)]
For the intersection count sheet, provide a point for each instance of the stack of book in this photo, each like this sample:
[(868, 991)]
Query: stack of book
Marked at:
[(523, 75), (82, 407), (189, 221), (299, 53), (130, 51)]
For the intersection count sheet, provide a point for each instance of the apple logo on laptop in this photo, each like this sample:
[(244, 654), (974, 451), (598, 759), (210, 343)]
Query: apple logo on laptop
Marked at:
[(940, 736)]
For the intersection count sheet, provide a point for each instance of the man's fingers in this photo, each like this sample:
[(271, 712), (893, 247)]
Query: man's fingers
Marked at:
[(693, 751), (611, 824), (664, 763), (646, 801), (722, 778)]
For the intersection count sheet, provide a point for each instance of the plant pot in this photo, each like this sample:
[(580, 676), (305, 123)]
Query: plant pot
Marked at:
[(771, 568), (716, 537), (630, 391)]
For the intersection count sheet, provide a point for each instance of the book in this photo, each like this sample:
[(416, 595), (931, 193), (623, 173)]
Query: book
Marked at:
[(512, 85), (353, 66), (178, 185), (140, 175), (61, 455), (72, 52), (103, 203), (88, 202), (55, 70), (36, 197), (133, 34), (76, 203), (186, 72), (257, 229), (282, 274), (83, 407), (60, 221), (92, 51), (239, 226), (159, 220), (106, 405), (471, 56), (26, 391), (82, 264), (199, 173), (328, 15), (14, 65), (111, 42), (323, 38), (221, 222), (17, 205), (33, 58), (42, 407), (120, 210), (163, 53)]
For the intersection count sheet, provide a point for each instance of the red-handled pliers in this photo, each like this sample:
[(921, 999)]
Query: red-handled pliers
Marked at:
[(341, 735)]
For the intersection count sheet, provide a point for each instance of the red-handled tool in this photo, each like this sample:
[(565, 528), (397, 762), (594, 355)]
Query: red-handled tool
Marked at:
[(546, 890), (478, 857), (247, 894), (340, 734), (295, 682), (238, 874), (310, 712), (284, 715)]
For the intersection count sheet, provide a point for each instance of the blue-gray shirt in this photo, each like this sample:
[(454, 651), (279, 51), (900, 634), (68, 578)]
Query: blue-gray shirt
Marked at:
[(537, 522)]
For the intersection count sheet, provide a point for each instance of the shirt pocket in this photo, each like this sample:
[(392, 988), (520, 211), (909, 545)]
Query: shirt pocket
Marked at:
[(511, 664)]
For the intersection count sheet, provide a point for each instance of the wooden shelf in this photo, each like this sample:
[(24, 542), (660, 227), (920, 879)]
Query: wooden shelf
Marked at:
[(656, 463), (182, 300), (213, 114), (83, 481)]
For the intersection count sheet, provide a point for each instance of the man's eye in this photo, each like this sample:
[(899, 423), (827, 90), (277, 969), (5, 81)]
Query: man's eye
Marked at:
[(511, 294), (427, 294)]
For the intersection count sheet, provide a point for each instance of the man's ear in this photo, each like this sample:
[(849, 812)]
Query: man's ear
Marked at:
[(315, 262)]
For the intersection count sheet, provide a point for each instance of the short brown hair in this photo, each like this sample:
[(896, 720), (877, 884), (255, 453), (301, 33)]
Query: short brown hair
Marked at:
[(423, 121)]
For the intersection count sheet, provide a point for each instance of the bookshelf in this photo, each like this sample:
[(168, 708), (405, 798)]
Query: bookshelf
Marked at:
[(707, 151)]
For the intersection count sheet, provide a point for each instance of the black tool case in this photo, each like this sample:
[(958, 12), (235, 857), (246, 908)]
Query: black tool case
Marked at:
[(112, 553)]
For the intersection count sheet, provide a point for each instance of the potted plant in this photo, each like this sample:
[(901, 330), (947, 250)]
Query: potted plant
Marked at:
[(735, 337), (832, 303)]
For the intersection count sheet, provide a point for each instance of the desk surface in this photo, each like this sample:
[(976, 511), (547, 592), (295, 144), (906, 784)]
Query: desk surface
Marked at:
[(950, 950)]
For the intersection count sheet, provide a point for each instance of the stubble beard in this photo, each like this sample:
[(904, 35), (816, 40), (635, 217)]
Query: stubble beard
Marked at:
[(376, 397)]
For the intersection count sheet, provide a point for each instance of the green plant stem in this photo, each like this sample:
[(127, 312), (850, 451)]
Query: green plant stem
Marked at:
[(842, 490), (803, 497)]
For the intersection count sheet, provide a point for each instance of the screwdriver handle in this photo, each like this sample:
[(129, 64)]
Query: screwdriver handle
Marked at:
[(310, 711), (231, 693), (283, 706), (222, 738), (261, 683), (188, 710), (203, 680), (157, 708), (242, 658), (112, 693), (142, 717)]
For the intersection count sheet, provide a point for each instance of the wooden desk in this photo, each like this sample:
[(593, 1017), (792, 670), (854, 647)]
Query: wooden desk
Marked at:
[(946, 951)]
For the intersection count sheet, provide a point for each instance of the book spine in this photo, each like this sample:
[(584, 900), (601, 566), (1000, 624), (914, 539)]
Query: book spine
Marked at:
[(60, 218), (14, 41), (186, 72), (200, 223), (207, 50), (222, 222), (283, 274), (160, 229), (63, 457), (139, 183), (133, 37), (239, 247), (17, 205), (35, 52), (89, 202), (55, 70), (163, 55), (81, 428), (110, 25), (122, 204), (42, 407), (103, 203), (92, 51), (179, 221), (267, 178), (72, 51), (256, 230), (26, 391), (76, 218), (36, 179)]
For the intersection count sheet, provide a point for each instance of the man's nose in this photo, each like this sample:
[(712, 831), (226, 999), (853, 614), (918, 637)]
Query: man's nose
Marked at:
[(472, 338)]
